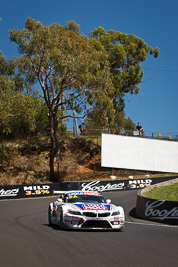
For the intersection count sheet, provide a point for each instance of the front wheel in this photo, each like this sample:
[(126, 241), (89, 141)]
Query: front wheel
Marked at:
[(49, 216), (61, 221)]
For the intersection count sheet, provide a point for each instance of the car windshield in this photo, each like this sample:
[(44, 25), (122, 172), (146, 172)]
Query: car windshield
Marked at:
[(84, 197)]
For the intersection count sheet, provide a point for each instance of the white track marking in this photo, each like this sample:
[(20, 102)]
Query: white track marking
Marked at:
[(152, 224)]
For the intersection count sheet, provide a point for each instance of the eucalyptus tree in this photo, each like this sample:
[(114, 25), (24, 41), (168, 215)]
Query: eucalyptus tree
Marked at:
[(126, 53), (69, 67), (19, 106)]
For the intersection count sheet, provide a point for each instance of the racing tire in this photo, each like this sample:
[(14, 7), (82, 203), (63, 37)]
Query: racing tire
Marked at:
[(61, 225), (49, 216), (122, 229)]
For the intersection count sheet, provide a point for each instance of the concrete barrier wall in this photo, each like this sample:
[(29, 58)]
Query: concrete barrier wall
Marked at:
[(43, 190), (157, 210), (139, 153)]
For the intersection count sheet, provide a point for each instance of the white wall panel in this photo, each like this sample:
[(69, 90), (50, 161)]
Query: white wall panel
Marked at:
[(139, 153)]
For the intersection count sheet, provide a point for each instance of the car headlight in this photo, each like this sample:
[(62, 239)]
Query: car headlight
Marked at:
[(74, 212), (115, 213)]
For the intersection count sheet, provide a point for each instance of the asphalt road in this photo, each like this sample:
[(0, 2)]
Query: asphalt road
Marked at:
[(26, 239)]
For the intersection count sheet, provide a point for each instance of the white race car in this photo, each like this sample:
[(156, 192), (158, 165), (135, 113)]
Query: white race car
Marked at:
[(85, 210)]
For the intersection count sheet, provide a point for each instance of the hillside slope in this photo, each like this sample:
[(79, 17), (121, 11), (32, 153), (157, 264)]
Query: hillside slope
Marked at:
[(27, 162)]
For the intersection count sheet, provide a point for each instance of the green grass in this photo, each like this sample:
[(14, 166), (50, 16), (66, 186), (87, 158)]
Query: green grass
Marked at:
[(169, 193)]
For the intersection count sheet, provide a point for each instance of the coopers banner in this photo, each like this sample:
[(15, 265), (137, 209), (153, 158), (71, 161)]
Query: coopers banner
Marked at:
[(44, 190), (139, 153), (23, 191), (157, 210)]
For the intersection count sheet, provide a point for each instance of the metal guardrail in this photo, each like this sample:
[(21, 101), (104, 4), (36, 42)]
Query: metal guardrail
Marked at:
[(146, 134)]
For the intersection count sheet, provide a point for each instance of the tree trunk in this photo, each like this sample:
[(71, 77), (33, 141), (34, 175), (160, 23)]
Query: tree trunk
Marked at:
[(63, 113), (52, 145), (54, 136)]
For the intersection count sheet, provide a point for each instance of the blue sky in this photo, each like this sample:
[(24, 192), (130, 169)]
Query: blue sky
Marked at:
[(155, 21)]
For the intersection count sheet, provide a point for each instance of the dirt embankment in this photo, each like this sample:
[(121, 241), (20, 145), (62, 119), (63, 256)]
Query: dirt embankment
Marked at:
[(27, 162)]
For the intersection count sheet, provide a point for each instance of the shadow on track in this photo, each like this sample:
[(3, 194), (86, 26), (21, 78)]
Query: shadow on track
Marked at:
[(134, 218), (55, 227)]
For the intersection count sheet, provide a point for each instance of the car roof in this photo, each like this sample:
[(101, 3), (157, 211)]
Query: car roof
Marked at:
[(80, 191), (63, 193)]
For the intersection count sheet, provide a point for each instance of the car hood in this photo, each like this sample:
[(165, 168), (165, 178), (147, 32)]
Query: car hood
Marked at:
[(92, 206)]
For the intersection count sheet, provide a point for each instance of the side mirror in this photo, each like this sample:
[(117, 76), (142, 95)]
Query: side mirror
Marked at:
[(60, 200), (108, 201)]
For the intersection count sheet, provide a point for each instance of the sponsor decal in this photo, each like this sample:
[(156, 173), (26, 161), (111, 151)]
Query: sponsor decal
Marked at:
[(94, 186), (140, 183), (53, 209), (94, 207), (66, 220), (83, 193), (154, 211), (115, 223), (91, 194), (9, 192), (91, 206), (76, 206), (37, 190), (75, 193), (76, 219)]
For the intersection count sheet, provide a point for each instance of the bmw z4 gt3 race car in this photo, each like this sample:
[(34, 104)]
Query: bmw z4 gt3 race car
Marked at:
[(85, 210)]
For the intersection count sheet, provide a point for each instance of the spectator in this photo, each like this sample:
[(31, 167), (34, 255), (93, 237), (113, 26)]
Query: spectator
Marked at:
[(81, 129), (140, 129)]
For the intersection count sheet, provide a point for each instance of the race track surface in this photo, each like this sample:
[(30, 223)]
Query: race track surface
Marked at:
[(26, 240)]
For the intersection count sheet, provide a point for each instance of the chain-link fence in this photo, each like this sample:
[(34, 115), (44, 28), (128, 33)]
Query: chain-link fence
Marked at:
[(96, 134)]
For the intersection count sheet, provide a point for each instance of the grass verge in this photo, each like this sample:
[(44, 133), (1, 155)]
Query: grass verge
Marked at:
[(169, 193)]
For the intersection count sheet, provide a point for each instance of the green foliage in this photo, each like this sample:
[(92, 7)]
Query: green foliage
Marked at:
[(75, 72), (98, 71), (125, 54), (169, 193), (20, 115), (72, 26), (120, 124), (41, 156), (3, 65), (61, 60), (5, 154), (67, 65)]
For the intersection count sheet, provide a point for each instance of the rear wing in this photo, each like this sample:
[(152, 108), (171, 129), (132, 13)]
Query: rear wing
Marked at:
[(59, 193)]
